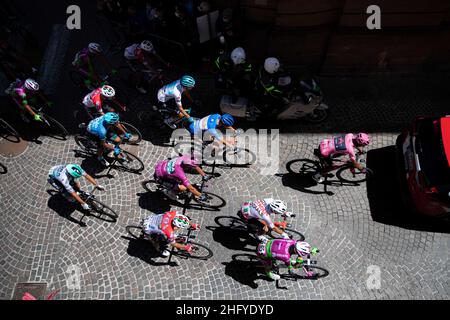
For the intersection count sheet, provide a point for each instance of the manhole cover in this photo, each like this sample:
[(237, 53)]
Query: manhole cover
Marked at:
[(12, 148), (35, 289)]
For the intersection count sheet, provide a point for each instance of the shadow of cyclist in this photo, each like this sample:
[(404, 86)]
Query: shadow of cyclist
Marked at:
[(153, 202), (144, 250), (245, 269), (234, 239), (62, 207), (3, 169)]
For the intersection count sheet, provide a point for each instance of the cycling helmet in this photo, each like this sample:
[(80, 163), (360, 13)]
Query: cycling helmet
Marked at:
[(181, 221), (238, 55), (227, 120), (271, 65), (146, 45), (362, 139), (111, 118), (31, 85), (278, 206), (108, 92), (188, 82), (75, 170), (303, 247), (94, 48)]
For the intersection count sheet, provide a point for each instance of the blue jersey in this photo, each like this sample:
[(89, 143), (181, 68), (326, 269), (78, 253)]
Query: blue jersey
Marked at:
[(97, 127), (209, 124)]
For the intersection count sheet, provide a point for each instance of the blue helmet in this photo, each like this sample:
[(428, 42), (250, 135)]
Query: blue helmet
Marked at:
[(111, 118), (187, 81), (227, 120), (75, 170)]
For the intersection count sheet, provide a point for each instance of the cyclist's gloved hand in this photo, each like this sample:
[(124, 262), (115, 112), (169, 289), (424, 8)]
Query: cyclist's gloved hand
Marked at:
[(207, 178), (116, 151), (85, 206), (188, 248), (127, 136), (37, 117), (202, 198), (314, 251), (101, 188), (195, 226), (273, 276)]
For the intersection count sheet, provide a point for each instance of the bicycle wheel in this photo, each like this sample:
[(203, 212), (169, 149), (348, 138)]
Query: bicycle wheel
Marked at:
[(55, 128), (241, 157), (135, 231), (7, 128), (317, 116), (235, 223), (86, 144), (199, 252), (212, 201), (318, 272), (137, 136), (130, 162), (102, 209), (353, 175), (303, 166), (295, 234)]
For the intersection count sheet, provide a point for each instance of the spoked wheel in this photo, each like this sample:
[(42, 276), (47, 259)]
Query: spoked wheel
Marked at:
[(4, 126), (130, 162), (135, 231), (200, 252), (352, 175), (239, 157), (137, 136), (55, 129), (295, 234), (86, 144), (318, 272), (317, 116), (212, 201), (103, 210), (304, 167), (231, 222)]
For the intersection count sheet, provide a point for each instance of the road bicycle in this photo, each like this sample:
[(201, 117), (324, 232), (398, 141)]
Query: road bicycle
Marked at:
[(7, 128)]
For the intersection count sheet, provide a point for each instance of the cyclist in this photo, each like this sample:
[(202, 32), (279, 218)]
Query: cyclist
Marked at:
[(83, 63), (170, 96), (283, 250), (341, 145), (171, 174), (142, 55), (165, 227), (257, 213), (235, 71), (22, 92), (63, 178), (102, 131), (210, 124), (94, 101)]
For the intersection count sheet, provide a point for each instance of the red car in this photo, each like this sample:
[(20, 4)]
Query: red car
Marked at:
[(423, 153)]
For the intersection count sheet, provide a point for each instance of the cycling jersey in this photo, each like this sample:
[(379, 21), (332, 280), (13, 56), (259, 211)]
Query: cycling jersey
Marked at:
[(60, 174), (278, 249), (133, 52), (173, 90), (161, 225), (94, 100), (18, 92), (338, 145), (172, 169), (209, 124), (98, 127), (258, 210), (82, 58)]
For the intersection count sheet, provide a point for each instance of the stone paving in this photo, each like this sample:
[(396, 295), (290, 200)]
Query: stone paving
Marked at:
[(40, 243)]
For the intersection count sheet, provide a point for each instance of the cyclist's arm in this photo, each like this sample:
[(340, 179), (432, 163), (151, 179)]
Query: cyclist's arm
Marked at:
[(91, 179), (121, 128), (200, 171), (107, 145), (193, 190), (183, 112), (77, 197), (178, 246)]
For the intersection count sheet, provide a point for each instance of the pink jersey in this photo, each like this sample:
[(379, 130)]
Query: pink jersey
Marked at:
[(279, 249), (338, 145), (171, 169)]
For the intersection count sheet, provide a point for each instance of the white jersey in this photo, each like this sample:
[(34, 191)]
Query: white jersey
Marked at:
[(173, 90), (60, 173), (257, 210)]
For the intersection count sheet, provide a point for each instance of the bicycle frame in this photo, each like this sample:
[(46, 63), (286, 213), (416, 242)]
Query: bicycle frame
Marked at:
[(324, 168)]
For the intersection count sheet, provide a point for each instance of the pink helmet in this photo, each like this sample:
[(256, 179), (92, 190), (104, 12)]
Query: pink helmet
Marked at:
[(303, 248), (362, 139)]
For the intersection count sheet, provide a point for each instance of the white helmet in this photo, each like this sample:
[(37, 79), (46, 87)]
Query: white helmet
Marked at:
[(108, 92), (31, 85), (146, 45), (277, 206), (303, 248), (271, 65), (94, 48), (181, 221), (238, 56)]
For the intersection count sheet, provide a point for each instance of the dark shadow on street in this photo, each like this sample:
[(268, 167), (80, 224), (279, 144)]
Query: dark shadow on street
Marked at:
[(3, 169), (385, 195), (245, 269), (153, 202), (145, 251), (63, 208)]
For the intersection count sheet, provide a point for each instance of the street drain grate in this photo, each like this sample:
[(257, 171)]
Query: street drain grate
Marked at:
[(35, 289)]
